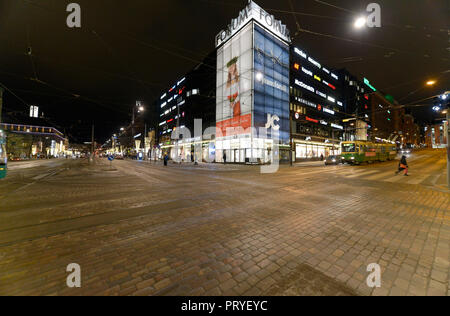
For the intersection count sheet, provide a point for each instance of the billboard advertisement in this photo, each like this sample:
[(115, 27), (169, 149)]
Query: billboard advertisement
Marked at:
[(234, 84)]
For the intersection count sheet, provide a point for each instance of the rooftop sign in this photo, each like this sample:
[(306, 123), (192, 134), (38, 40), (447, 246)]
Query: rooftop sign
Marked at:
[(367, 82), (254, 12)]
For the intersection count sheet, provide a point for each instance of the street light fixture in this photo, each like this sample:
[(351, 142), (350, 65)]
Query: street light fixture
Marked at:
[(431, 83), (360, 22)]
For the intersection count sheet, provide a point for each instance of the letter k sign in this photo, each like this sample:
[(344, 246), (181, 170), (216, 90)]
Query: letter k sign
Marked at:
[(271, 122)]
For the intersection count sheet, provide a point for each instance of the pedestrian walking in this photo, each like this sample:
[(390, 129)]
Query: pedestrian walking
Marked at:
[(166, 159), (224, 157), (403, 166)]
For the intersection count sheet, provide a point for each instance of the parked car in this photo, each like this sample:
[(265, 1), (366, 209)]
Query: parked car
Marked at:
[(333, 160)]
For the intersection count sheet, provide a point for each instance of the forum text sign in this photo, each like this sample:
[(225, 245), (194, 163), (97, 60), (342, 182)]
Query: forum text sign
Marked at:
[(254, 12)]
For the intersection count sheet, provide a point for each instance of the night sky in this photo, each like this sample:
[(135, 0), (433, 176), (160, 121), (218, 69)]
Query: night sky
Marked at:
[(133, 50)]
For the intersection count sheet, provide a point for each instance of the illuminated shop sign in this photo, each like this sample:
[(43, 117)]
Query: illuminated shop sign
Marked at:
[(317, 78), (306, 71), (306, 102), (181, 81), (162, 123), (331, 99), (323, 95), (334, 76), (253, 12), (337, 126), (367, 82), (165, 94), (340, 103), (297, 66), (300, 52), (326, 110), (312, 120), (326, 70), (329, 84), (323, 122), (163, 105), (315, 63), (276, 85), (304, 86)]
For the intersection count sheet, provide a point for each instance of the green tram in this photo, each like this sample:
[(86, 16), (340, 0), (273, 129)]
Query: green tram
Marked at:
[(358, 152), (3, 156)]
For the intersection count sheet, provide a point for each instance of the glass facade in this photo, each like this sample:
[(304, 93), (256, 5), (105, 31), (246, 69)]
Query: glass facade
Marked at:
[(252, 97), (272, 88)]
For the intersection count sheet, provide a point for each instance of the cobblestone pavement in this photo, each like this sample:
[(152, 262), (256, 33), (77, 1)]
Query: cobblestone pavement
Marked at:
[(142, 229)]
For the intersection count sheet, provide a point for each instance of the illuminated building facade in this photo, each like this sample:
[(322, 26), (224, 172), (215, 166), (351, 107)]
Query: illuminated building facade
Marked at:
[(252, 99), (317, 108), (28, 141), (191, 97)]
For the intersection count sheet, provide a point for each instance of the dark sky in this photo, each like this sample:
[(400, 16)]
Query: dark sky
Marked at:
[(133, 50)]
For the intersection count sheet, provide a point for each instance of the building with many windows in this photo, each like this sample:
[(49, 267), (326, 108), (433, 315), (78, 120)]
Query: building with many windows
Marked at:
[(317, 108), (29, 141), (189, 98)]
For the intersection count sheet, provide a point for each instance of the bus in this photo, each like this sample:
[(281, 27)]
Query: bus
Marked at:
[(358, 152), (3, 156)]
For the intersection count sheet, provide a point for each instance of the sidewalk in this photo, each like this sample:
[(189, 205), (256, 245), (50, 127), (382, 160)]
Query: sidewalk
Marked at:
[(310, 164)]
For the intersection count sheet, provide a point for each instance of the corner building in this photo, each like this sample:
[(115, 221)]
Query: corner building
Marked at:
[(252, 99)]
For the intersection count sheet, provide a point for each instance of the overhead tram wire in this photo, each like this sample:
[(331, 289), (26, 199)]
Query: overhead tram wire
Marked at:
[(71, 94), (334, 6), (307, 31)]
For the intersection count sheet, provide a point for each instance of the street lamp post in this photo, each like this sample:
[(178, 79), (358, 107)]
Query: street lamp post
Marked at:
[(447, 126)]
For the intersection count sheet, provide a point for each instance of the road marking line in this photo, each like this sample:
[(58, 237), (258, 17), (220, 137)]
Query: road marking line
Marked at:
[(363, 174)]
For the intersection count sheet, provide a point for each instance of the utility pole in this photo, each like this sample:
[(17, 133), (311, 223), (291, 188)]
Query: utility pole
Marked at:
[(92, 143), (291, 135), (447, 124), (1, 103)]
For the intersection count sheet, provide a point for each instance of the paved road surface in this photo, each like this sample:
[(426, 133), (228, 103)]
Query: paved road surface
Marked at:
[(142, 229)]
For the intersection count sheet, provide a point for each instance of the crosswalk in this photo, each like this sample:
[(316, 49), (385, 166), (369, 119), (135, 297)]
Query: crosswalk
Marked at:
[(431, 174), (425, 169)]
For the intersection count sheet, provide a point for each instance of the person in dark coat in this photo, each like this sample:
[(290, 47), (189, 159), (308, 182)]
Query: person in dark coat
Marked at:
[(403, 166), (224, 157), (166, 159)]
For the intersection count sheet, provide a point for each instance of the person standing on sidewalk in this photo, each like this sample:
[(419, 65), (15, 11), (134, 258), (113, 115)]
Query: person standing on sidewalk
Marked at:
[(403, 166), (224, 157)]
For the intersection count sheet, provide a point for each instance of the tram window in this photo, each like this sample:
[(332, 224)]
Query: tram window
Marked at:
[(349, 148), (2, 154)]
